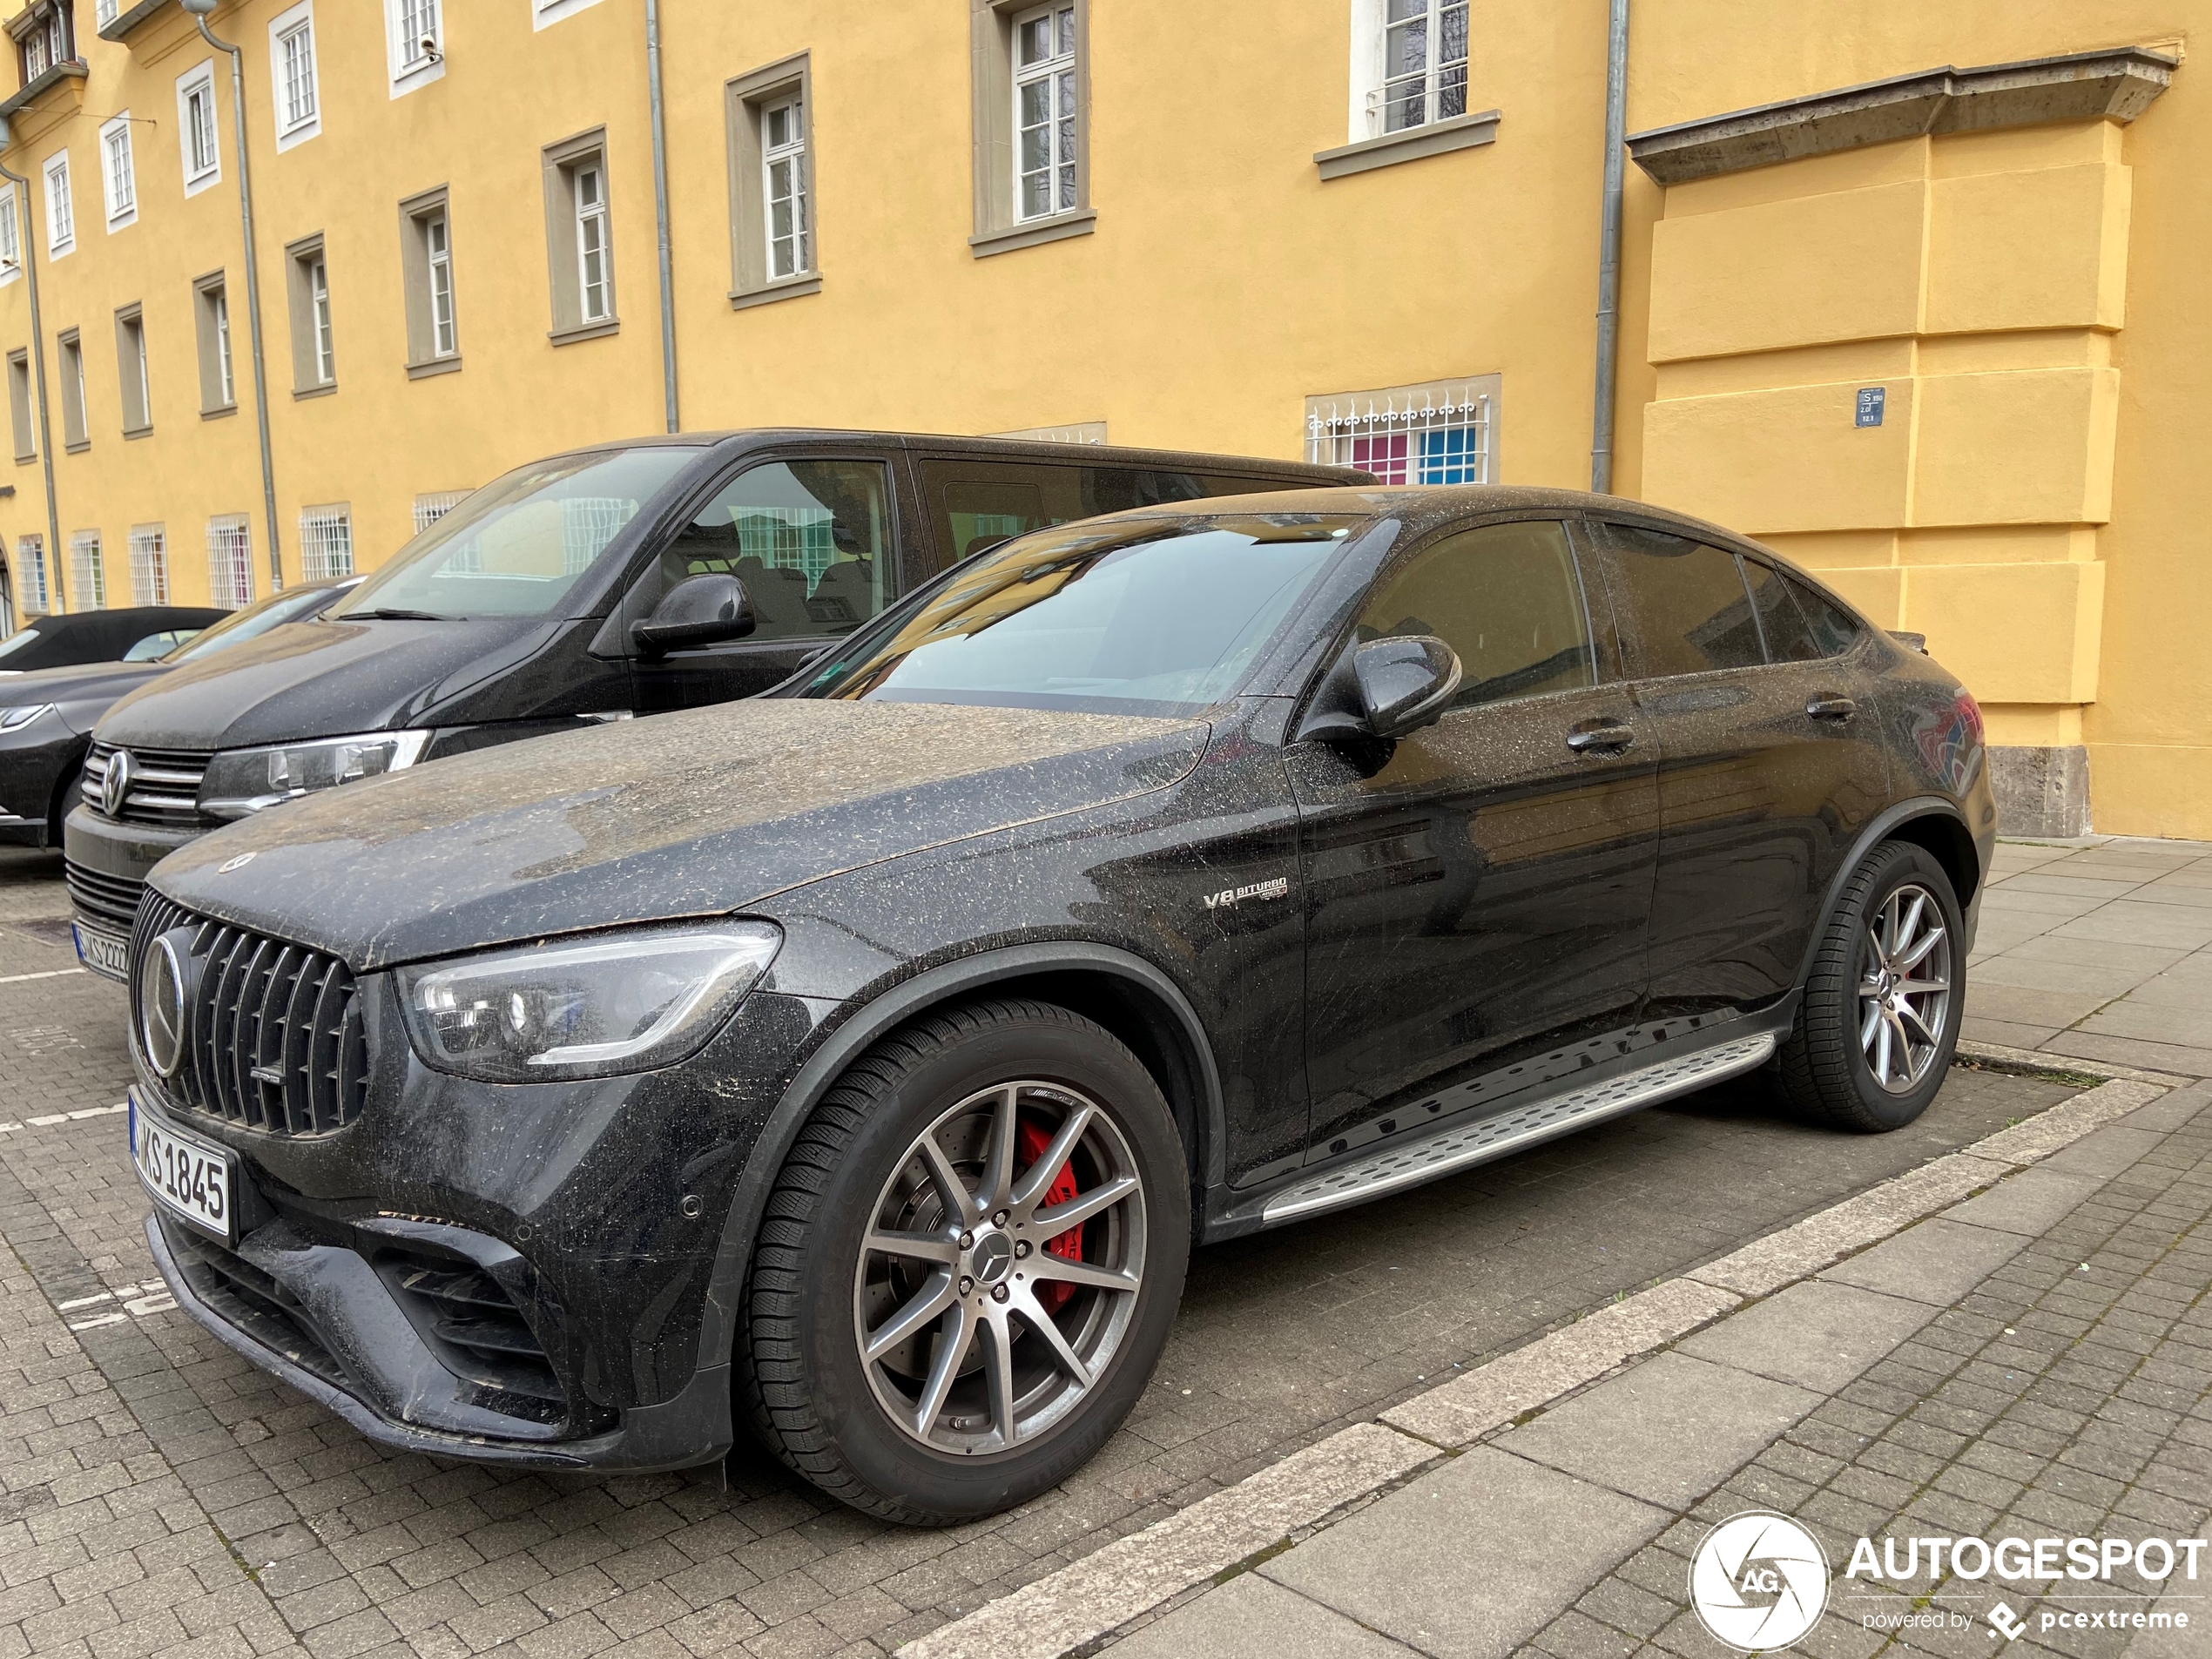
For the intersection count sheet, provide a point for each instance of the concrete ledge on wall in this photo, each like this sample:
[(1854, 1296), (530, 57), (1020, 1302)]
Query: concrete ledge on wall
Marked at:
[(1438, 137), (2119, 83), (2042, 791)]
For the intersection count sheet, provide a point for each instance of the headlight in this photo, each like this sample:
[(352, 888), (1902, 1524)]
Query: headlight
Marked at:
[(11, 719), (240, 781), (625, 1003)]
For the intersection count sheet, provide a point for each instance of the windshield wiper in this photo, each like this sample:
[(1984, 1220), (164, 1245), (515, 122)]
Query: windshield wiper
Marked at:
[(395, 613)]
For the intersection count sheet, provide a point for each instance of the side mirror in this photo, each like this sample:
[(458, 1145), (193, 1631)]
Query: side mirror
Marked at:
[(1385, 689), (699, 610)]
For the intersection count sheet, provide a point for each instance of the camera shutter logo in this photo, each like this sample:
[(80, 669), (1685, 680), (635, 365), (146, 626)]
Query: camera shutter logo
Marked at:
[(115, 787), (1758, 1581)]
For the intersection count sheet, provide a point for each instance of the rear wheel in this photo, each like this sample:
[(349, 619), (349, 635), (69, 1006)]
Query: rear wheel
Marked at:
[(1879, 1019), (968, 1264)]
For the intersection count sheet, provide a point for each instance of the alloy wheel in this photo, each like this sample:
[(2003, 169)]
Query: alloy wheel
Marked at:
[(1001, 1268), (1904, 988)]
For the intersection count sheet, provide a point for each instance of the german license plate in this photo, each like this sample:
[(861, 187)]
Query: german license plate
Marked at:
[(188, 1176), (106, 953)]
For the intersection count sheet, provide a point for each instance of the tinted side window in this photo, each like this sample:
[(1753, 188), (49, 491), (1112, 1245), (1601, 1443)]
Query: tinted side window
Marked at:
[(809, 539), (1688, 608), (1788, 637), (1833, 630), (1506, 598)]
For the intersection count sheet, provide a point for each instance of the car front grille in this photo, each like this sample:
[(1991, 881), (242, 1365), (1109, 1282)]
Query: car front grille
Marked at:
[(111, 901), (273, 1036), (165, 786)]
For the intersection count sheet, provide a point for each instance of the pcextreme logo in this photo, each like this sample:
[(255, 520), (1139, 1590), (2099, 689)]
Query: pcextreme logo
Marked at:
[(1758, 1581)]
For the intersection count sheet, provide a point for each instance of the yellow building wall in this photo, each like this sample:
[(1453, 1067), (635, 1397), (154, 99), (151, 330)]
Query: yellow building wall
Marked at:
[(2029, 299)]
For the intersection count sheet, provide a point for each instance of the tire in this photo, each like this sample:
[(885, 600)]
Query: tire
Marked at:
[(1829, 1061), (67, 798), (815, 1296)]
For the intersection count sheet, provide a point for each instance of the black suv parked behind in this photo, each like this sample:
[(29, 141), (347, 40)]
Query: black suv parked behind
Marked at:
[(868, 1058), (582, 589)]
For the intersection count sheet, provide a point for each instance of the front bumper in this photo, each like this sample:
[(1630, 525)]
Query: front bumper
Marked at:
[(584, 1218), (107, 863)]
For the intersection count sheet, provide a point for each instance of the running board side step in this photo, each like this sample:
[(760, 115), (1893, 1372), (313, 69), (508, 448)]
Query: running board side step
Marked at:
[(1463, 1147)]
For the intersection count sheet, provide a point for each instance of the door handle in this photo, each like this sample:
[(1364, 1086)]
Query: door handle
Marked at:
[(1602, 737), (1830, 708)]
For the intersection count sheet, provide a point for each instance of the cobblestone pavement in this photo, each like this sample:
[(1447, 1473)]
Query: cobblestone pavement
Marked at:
[(133, 1447), (2101, 948)]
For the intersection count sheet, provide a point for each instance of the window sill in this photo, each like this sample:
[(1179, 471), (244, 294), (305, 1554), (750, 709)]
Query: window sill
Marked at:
[(1034, 232), (72, 69), (300, 393), (22, 461), (219, 412), (123, 21), (769, 292), (81, 447), (423, 371), (131, 432), (1438, 137), (585, 330)]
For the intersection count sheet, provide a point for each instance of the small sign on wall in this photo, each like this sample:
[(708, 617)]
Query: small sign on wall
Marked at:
[(1870, 399)]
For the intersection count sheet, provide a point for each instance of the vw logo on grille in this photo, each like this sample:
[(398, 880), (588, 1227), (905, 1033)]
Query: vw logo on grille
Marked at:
[(115, 788), (161, 1006)]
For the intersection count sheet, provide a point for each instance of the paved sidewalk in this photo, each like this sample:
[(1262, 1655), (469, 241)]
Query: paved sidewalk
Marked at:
[(2034, 1362), (2100, 948)]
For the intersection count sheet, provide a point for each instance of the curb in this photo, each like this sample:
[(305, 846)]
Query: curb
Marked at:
[(1123, 1579)]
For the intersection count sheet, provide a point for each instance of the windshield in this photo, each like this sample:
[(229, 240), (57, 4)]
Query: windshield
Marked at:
[(242, 625), (515, 547), (1150, 616), (22, 639)]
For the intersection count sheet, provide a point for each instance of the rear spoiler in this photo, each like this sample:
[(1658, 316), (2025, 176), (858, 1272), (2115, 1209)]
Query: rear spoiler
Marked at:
[(1911, 641)]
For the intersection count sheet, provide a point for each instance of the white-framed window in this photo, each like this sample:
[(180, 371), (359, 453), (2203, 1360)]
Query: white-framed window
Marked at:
[(438, 252), (435, 505), (149, 565), (45, 39), (10, 236), (545, 13), (415, 31), (198, 142), (119, 176), (297, 87), (1044, 112), (318, 307), (61, 212), (87, 575), (230, 561), (30, 564), (594, 291), (1442, 432), (104, 12), (783, 165), (327, 541), (1409, 65), (226, 378), (130, 371)]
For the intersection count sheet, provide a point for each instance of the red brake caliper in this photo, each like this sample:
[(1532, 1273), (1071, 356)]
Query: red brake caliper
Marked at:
[(1030, 1140)]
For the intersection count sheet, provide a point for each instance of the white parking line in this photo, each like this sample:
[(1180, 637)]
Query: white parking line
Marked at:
[(51, 973), (136, 1302), (52, 1118)]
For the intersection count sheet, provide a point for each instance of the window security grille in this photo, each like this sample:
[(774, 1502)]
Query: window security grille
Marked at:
[(588, 523), (30, 561), (85, 572), (429, 508), (1431, 435), (327, 542), (148, 565), (1044, 112), (230, 561), (1424, 64)]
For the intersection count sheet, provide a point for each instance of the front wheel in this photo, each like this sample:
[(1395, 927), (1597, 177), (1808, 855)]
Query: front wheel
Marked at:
[(968, 1264), (1879, 1019)]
